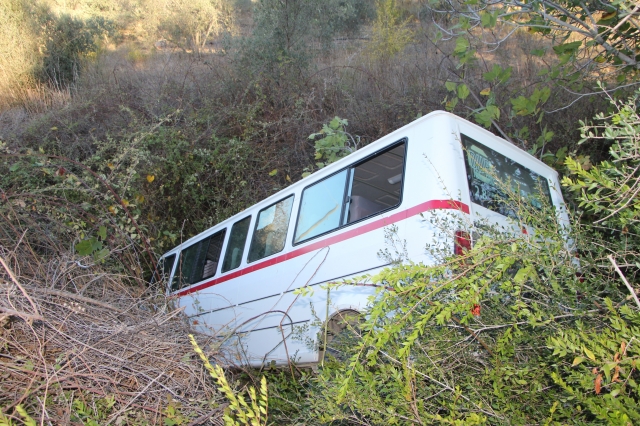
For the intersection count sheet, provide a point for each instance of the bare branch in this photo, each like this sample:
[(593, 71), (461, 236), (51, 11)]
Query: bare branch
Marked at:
[(15, 281), (624, 280)]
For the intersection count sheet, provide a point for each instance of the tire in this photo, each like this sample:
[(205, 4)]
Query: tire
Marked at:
[(339, 335)]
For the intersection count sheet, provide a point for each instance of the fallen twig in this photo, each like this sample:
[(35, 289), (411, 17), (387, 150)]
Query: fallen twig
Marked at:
[(7, 312), (15, 281), (77, 297)]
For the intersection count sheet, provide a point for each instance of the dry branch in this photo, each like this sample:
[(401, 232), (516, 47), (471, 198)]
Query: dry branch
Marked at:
[(6, 312), (66, 294), (624, 280), (113, 341), (15, 281)]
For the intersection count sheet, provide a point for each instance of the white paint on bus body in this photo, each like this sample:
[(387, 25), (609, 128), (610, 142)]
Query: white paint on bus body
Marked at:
[(254, 304)]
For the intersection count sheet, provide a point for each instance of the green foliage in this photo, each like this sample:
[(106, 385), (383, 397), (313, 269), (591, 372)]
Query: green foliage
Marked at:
[(610, 189), (505, 334), (581, 42), (334, 144), (464, 52), (253, 413), (391, 32), (530, 105), (69, 42), (610, 31), (598, 371), (26, 418), (197, 185), (86, 247), (95, 413), (66, 201), (487, 116), (94, 246), (284, 33), (156, 176), (190, 24), (288, 395), (173, 413)]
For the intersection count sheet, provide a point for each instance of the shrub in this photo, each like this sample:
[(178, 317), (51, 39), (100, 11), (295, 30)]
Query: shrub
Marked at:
[(287, 35), (195, 187), (609, 190), (505, 334), (391, 33), (69, 42), (191, 24)]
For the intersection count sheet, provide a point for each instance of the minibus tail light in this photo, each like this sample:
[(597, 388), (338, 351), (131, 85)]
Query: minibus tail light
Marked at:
[(462, 243)]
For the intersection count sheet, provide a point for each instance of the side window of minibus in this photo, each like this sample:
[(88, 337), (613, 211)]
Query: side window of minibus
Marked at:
[(199, 261), (271, 230), (213, 254), (376, 185), (360, 191), (235, 246), (163, 269), (321, 207)]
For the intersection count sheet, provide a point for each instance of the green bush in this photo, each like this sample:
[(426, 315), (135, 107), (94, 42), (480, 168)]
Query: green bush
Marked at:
[(195, 187), (69, 42), (609, 190), (191, 24), (505, 334), (391, 33), (151, 189)]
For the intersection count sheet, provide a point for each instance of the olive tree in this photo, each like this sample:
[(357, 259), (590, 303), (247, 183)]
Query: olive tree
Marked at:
[(190, 24)]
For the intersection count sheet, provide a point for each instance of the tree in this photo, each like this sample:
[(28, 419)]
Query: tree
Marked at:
[(602, 34), (69, 43), (190, 24), (287, 32), (578, 42), (391, 33)]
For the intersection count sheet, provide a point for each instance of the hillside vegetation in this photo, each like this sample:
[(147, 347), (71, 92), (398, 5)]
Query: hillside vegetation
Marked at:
[(127, 126)]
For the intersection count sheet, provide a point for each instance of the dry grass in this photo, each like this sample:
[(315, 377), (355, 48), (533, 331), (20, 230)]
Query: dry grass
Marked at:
[(71, 333)]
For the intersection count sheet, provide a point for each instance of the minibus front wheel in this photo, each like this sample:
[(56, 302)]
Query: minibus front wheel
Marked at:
[(338, 335)]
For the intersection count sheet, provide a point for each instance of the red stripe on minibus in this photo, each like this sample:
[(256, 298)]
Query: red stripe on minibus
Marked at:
[(351, 233)]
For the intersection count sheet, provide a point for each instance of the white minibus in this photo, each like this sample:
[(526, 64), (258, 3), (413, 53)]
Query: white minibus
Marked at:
[(238, 278)]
